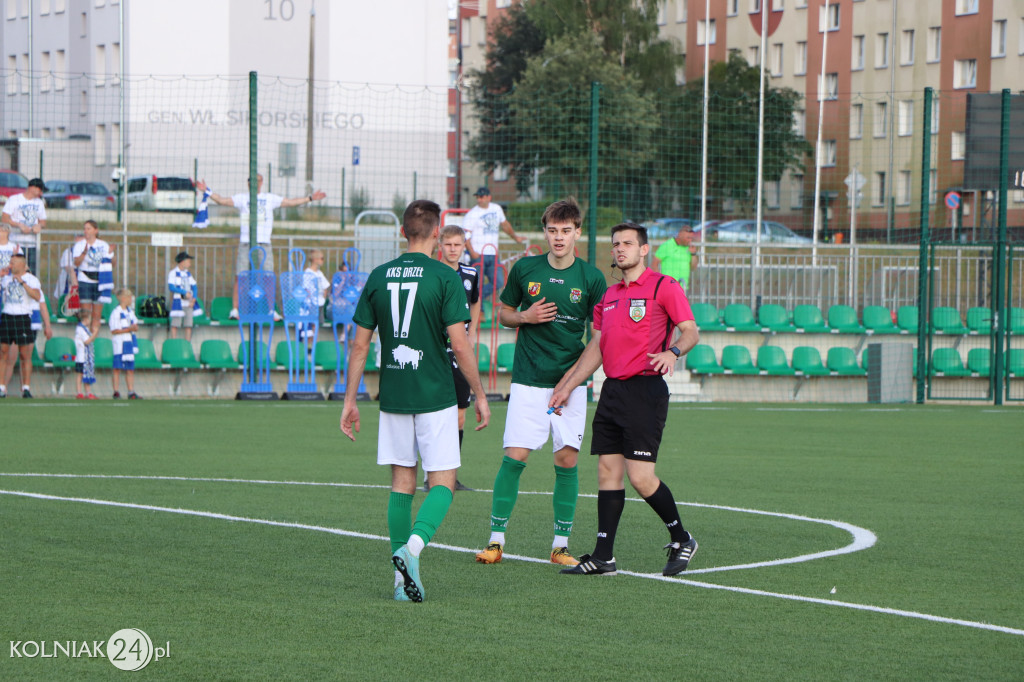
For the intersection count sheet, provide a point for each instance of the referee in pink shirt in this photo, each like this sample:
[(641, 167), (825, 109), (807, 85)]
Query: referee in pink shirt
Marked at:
[(634, 326)]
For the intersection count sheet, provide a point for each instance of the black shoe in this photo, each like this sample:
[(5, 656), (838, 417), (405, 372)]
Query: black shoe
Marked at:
[(134, 396), (459, 486), (679, 556), (25, 393), (117, 394), (590, 566), (426, 486)]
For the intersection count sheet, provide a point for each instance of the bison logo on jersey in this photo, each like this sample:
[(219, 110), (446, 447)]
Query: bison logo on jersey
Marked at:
[(637, 309), (575, 295), (534, 288)]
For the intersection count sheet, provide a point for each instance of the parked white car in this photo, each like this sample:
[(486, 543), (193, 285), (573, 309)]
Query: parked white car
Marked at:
[(160, 193)]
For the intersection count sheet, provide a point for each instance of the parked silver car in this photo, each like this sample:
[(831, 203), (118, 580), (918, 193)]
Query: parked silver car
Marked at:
[(67, 194), (745, 231)]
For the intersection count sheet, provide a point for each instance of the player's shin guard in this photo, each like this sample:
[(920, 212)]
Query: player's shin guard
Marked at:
[(399, 519), (506, 490), (567, 489), (432, 512)]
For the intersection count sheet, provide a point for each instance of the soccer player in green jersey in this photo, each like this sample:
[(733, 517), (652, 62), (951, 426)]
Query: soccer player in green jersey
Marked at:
[(550, 298), (415, 301)]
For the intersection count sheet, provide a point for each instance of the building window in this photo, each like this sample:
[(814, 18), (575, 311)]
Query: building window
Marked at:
[(58, 8), (26, 80), (101, 3), (502, 4), (100, 66), (115, 144), (903, 188), (60, 67), (905, 117), (881, 114), (44, 9), (46, 82), (801, 4), (681, 11), (12, 134), (796, 192), (115, 63), (24, 13), (831, 86), (12, 69), (1020, 37), (771, 194), (882, 51), (706, 32), (46, 133), (857, 62), (878, 189), (662, 12), (907, 47), (83, 103), (999, 38), (500, 173), (829, 19), (934, 43), (100, 145), (965, 73), (734, 7), (828, 155), (775, 59), (62, 133), (452, 166), (452, 122), (12, 13), (799, 123), (800, 59), (755, 6), (453, 78), (935, 118), (85, 25), (957, 144), (933, 186), (467, 33), (754, 55), (966, 7), (856, 121)]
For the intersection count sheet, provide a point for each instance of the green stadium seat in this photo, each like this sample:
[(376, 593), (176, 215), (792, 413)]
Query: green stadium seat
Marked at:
[(145, 357), (107, 309), (220, 310), (178, 354), (736, 360), (947, 362), (979, 361), (483, 357), (843, 361), (203, 319), (706, 317), (774, 317), (864, 359), (216, 354), (843, 318), (738, 317), (807, 359), (283, 354), (772, 359), (701, 360), (809, 320), (60, 352), (104, 353), (506, 354), (1016, 324), (907, 319), (947, 320), (325, 355), (878, 320), (979, 320), (1015, 362), (261, 354)]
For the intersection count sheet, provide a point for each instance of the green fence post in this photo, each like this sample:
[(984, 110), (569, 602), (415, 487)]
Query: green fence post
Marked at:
[(41, 174), (595, 120), (253, 172), (999, 257), (195, 178), (924, 272)]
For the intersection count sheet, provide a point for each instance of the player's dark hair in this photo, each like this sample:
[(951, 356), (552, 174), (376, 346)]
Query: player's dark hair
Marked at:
[(19, 255), (641, 231), (562, 211), (420, 218)]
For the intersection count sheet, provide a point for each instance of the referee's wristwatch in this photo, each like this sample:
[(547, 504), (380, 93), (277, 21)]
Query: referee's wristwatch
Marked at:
[(675, 351)]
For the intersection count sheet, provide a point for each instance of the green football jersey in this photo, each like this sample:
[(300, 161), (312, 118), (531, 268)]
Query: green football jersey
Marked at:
[(412, 301), (544, 352)]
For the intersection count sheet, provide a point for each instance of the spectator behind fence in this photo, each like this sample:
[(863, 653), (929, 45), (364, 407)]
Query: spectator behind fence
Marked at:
[(67, 279), (265, 205), (319, 295), (481, 225), (94, 259), (677, 257), (24, 312), (85, 356), (7, 249), (123, 325), (184, 291), (26, 214)]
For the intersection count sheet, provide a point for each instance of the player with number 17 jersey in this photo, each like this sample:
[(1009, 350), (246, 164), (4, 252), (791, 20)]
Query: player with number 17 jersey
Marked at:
[(412, 300)]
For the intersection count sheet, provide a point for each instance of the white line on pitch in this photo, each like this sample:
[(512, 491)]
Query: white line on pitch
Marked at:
[(649, 576), (862, 537)]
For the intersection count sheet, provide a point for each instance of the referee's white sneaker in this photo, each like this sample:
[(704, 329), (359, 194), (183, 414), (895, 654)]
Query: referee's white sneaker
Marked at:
[(679, 556)]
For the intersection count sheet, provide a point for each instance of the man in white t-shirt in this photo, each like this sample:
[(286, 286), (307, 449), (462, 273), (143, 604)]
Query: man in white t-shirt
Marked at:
[(26, 214), (481, 225), (266, 203), (22, 298)]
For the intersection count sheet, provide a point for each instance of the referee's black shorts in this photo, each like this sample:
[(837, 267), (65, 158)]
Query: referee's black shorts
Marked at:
[(16, 330), (461, 388), (630, 418)]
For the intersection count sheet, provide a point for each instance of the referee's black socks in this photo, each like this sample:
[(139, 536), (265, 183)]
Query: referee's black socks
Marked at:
[(664, 505), (609, 511)]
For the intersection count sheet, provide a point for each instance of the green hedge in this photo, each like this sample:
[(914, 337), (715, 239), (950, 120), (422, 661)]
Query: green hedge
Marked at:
[(525, 217)]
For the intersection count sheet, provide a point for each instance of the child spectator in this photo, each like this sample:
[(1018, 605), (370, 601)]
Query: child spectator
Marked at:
[(123, 325), (66, 280), (85, 355), (184, 291), (319, 295), (94, 259), (7, 249)]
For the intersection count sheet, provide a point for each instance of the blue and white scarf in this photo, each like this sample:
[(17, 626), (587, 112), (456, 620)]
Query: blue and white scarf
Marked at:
[(106, 278), (202, 219), (88, 356), (181, 282), (125, 348)]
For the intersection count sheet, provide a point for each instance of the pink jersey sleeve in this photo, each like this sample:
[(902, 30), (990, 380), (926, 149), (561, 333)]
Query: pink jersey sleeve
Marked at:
[(676, 305)]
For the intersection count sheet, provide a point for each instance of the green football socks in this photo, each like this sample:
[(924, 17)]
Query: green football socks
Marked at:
[(567, 489), (506, 490), (432, 512), (399, 519)]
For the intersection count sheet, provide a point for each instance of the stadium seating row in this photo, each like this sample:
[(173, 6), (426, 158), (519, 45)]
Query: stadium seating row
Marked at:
[(842, 319), (806, 361)]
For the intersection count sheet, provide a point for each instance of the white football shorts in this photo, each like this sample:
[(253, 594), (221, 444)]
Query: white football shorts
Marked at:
[(528, 422), (433, 436)]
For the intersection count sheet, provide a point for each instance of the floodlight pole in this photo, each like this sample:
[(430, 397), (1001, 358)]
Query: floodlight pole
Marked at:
[(760, 151), (817, 149), (704, 137)]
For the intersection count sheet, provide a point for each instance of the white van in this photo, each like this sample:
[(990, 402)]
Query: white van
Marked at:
[(160, 193)]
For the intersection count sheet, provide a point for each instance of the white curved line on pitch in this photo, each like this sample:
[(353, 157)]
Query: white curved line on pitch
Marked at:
[(862, 537), (649, 576)]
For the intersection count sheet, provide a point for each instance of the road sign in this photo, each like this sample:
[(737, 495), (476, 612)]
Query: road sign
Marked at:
[(355, 156), (952, 200), (855, 181)]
